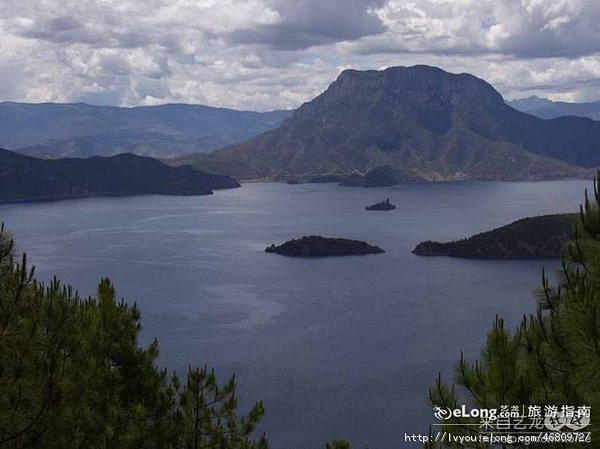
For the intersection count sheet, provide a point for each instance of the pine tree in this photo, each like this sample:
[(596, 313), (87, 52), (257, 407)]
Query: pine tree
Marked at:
[(209, 414), (553, 357), (73, 375), (338, 444)]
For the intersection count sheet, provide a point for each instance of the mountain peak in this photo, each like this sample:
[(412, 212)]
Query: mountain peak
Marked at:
[(530, 103), (419, 87), (418, 68), (412, 123)]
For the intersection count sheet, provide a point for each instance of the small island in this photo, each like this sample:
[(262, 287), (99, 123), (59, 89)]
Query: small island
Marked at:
[(317, 246), (542, 237), (382, 205)]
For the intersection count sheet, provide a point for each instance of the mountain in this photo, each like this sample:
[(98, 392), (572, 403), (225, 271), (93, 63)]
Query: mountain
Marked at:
[(411, 124), (82, 130), (529, 104), (29, 178), (546, 109), (530, 238)]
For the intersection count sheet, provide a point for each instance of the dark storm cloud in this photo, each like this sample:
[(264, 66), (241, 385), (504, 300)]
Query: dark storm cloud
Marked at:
[(69, 30), (314, 22), (570, 43)]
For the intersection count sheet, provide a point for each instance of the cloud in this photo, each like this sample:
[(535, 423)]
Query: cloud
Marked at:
[(266, 54), (307, 23), (517, 28)]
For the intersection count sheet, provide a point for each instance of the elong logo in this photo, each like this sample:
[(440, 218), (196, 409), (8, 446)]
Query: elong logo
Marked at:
[(444, 414)]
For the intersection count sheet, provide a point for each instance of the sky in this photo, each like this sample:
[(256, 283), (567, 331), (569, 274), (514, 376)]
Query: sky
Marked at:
[(276, 54)]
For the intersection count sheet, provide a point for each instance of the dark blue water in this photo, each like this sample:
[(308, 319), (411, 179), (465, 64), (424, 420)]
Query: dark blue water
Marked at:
[(336, 347)]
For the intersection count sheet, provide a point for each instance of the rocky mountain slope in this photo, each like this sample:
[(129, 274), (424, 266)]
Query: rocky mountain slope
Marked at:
[(27, 178), (80, 130), (411, 124)]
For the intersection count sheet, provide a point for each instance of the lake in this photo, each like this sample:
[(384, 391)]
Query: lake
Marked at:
[(335, 347)]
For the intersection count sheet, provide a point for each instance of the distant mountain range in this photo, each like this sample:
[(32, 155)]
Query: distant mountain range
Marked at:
[(546, 109), (80, 130), (411, 124), (27, 178)]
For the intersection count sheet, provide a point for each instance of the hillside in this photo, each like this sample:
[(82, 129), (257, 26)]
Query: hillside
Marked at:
[(81, 130), (530, 238), (411, 124), (547, 109), (28, 178)]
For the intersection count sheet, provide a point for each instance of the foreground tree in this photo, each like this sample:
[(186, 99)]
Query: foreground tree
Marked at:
[(338, 444), (553, 358), (73, 375)]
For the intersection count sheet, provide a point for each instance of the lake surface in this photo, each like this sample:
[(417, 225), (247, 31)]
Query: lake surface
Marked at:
[(335, 347)]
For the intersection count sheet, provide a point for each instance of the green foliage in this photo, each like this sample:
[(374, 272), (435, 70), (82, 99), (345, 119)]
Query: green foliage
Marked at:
[(338, 444), (72, 375), (553, 358), (208, 414)]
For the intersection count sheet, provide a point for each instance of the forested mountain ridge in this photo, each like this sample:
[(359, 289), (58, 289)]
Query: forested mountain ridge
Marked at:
[(28, 178), (54, 130)]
